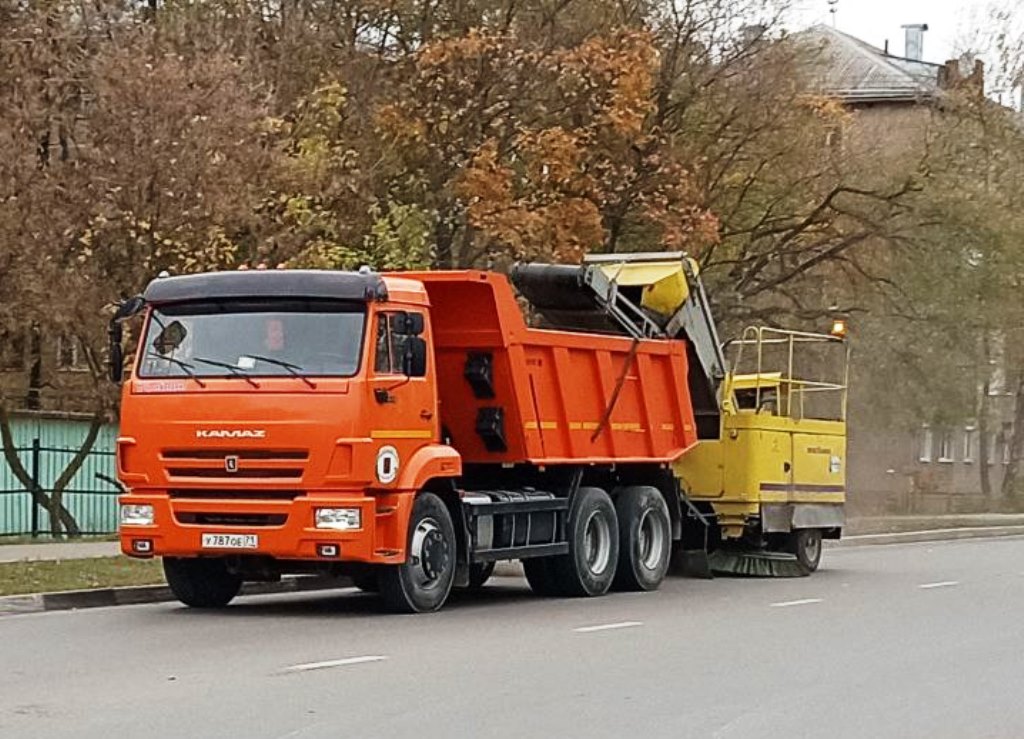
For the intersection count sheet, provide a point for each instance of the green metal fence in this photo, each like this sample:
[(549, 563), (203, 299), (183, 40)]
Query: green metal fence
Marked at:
[(45, 446)]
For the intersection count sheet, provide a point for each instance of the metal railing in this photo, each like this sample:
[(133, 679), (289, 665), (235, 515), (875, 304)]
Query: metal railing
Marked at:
[(791, 386), (90, 497)]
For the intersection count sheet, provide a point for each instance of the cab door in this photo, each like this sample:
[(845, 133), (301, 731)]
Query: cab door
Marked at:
[(402, 408)]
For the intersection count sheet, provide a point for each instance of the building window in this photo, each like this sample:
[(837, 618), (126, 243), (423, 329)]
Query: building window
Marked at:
[(926, 444), (70, 357), (970, 436), (945, 445), (12, 351)]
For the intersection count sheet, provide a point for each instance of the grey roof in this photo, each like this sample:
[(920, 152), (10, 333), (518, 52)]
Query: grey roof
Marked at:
[(288, 283), (855, 71)]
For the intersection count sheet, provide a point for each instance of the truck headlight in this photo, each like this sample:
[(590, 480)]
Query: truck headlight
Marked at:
[(133, 514), (339, 519)]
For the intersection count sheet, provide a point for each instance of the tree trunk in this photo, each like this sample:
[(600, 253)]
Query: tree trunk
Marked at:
[(33, 398), (63, 517), (443, 242), (39, 497), (984, 407), (1016, 440), (984, 471)]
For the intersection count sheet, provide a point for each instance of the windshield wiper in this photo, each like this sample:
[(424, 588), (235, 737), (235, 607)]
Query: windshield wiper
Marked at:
[(293, 369), (234, 370), (184, 365)]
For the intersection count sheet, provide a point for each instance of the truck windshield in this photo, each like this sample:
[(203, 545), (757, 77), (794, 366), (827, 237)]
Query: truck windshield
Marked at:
[(254, 338)]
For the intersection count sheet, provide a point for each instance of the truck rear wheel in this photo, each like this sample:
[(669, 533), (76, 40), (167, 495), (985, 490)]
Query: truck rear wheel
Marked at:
[(201, 583), (593, 531), (645, 538), (422, 583), (806, 545)]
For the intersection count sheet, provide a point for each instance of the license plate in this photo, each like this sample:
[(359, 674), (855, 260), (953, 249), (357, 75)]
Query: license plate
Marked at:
[(230, 541)]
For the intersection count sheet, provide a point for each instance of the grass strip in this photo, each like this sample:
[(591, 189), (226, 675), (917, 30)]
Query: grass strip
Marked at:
[(18, 578)]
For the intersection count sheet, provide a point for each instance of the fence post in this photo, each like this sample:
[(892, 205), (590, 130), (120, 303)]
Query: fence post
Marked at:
[(35, 486)]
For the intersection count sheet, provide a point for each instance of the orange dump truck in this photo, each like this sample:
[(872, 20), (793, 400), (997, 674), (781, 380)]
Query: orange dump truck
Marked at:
[(407, 430)]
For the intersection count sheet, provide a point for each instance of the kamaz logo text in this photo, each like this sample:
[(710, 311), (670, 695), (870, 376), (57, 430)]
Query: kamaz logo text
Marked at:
[(231, 434)]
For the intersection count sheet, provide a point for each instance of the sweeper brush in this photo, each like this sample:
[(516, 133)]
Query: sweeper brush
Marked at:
[(755, 564)]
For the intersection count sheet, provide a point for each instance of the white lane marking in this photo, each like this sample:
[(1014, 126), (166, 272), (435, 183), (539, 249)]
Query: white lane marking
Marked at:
[(335, 663), (788, 603), (943, 584), (607, 627)]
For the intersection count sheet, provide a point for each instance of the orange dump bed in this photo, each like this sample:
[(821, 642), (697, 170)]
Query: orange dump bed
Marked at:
[(510, 393)]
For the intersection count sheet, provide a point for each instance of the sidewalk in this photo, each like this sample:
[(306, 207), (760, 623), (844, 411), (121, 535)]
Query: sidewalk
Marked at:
[(900, 524), (58, 550)]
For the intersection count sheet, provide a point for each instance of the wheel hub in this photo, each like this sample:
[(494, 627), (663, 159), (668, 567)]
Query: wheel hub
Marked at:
[(811, 546), (650, 540), (597, 543), (430, 550)]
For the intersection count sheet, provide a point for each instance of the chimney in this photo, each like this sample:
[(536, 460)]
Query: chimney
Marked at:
[(914, 48), (966, 73)]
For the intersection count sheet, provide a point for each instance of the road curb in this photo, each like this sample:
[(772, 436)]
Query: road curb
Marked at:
[(139, 594), (909, 537)]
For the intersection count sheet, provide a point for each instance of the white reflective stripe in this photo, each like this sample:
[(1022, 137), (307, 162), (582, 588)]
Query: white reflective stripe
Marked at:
[(943, 584), (607, 627), (334, 663), (804, 602)]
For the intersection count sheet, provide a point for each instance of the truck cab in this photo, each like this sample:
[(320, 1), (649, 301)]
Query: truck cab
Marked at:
[(286, 414)]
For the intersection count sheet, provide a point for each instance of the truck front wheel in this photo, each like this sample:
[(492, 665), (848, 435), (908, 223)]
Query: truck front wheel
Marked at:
[(593, 531), (645, 538), (201, 583), (422, 583)]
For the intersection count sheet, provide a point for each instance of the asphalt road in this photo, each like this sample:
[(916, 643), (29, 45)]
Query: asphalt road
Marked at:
[(886, 641)]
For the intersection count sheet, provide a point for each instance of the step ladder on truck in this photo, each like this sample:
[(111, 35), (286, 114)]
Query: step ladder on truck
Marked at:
[(411, 429)]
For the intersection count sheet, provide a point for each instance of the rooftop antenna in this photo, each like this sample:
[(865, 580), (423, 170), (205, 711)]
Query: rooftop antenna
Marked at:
[(833, 8)]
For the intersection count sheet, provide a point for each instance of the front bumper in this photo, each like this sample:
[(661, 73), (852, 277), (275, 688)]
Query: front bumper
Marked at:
[(177, 531)]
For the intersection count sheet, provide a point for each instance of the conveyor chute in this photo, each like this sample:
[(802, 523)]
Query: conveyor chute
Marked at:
[(646, 296)]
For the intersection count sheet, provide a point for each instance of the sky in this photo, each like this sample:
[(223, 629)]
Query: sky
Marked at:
[(950, 22)]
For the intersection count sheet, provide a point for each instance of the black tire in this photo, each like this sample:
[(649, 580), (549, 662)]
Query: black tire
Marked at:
[(541, 576), (806, 545), (593, 530), (645, 538), (201, 583), (423, 583), (479, 574)]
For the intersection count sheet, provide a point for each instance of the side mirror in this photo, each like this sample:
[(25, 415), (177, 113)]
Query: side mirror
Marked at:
[(125, 310), (409, 324), (129, 308), (415, 357), (116, 353)]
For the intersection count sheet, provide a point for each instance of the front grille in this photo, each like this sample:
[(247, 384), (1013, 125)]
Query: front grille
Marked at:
[(235, 464), (231, 519), (216, 494), (276, 473)]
